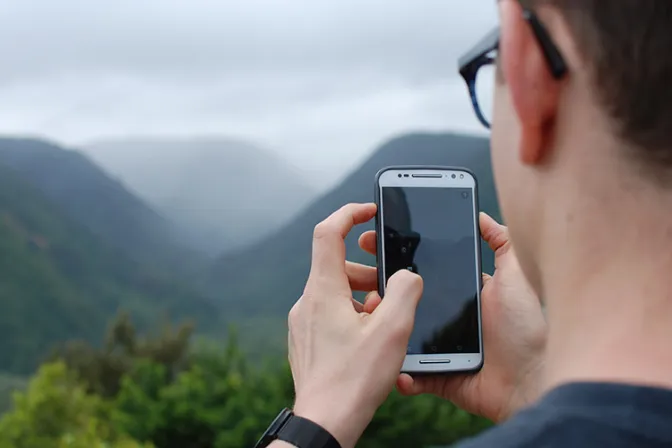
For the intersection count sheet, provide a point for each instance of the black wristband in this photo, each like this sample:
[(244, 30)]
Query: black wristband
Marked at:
[(303, 433), (297, 431)]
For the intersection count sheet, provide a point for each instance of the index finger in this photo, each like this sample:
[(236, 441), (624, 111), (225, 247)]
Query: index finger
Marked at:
[(328, 260)]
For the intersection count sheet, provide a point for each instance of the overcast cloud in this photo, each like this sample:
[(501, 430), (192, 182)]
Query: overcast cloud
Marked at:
[(321, 81)]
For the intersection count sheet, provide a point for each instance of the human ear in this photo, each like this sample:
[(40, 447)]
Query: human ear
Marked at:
[(533, 90)]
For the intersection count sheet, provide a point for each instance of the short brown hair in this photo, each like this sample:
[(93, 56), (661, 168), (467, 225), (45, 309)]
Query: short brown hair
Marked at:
[(627, 45)]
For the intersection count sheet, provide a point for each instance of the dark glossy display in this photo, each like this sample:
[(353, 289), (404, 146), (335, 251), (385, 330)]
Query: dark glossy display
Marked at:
[(431, 231)]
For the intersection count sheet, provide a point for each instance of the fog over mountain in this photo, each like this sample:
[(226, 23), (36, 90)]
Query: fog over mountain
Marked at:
[(222, 193)]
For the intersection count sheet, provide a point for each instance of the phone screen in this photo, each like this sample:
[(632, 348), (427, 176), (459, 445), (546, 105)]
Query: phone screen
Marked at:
[(431, 231)]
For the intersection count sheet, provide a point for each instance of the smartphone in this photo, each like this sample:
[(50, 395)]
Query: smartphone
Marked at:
[(427, 222)]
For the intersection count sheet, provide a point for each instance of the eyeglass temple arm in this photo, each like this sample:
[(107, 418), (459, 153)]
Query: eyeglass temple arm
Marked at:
[(556, 62)]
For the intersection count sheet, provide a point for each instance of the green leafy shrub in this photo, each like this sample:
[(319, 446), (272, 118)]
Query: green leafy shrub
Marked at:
[(56, 412), (140, 392)]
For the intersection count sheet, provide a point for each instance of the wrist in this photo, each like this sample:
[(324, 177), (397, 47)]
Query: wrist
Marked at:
[(526, 394), (345, 422)]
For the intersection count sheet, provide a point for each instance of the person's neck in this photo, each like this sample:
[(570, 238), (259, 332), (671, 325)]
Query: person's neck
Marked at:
[(608, 290)]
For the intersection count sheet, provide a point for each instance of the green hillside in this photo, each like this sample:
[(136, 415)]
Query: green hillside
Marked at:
[(86, 194), (60, 281)]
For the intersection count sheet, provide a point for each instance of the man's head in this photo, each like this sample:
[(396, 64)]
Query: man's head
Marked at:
[(599, 130)]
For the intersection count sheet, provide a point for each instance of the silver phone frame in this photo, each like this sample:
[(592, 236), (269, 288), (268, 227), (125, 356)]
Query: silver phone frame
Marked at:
[(440, 362)]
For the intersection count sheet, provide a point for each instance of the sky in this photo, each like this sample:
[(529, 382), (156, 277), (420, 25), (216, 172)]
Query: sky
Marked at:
[(323, 82)]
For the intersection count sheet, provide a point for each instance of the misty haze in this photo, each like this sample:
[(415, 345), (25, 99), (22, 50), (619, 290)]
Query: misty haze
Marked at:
[(162, 166)]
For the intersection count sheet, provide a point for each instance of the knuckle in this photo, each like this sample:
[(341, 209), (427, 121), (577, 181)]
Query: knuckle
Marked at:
[(413, 280), (323, 230), (347, 208), (417, 282), (350, 210), (293, 315), (403, 275), (399, 332), (329, 227)]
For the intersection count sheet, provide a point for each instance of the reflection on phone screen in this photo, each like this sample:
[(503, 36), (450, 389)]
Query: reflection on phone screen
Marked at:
[(431, 231)]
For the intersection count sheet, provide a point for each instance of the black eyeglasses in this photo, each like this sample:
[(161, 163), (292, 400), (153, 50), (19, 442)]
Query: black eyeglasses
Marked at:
[(477, 65)]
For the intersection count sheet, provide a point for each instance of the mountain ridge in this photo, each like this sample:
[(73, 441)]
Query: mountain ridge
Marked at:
[(283, 258), (89, 196)]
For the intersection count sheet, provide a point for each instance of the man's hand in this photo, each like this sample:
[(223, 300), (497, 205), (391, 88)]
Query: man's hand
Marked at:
[(514, 339), (346, 356)]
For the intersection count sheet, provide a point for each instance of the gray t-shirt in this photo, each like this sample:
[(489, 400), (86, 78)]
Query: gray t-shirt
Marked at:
[(588, 415)]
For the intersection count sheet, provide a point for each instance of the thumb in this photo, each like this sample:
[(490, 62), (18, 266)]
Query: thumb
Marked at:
[(495, 234), (446, 387), (402, 295), (410, 386), (371, 302)]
